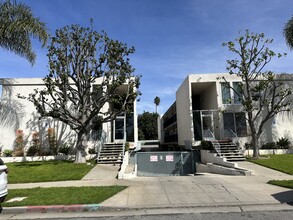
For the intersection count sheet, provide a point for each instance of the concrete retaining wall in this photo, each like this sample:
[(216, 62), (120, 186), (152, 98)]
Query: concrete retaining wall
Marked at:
[(213, 164), (43, 158)]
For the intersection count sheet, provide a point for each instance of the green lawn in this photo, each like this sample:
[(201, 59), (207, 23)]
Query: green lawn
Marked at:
[(48, 171), (283, 163), (283, 183), (62, 195)]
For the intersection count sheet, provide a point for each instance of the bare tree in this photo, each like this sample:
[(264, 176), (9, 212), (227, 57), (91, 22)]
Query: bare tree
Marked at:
[(263, 95)]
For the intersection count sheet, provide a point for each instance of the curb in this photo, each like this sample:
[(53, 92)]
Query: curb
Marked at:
[(53, 208), (99, 207)]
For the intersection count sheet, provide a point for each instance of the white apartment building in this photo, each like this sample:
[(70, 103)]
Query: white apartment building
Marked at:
[(206, 107), (20, 114)]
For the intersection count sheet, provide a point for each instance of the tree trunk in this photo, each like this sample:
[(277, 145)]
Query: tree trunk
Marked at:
[(254, 136), (80, 148), (254, 142)]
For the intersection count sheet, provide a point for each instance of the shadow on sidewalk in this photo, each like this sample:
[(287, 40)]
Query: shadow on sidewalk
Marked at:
[(284, 197)]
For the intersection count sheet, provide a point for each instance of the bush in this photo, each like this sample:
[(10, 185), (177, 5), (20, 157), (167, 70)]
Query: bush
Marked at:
[(32, 151), (92, 151), (7, 153), (283, 143), (18, 152), (247, 146), (19, 140), (270, 145), (64, 149), (126, 147), (19, 143), (52, 141), (206, 145)]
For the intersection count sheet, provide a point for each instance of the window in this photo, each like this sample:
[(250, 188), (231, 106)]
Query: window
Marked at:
[(237, 93), (240, 124), (229, 122), (235, 123), (226, 94)]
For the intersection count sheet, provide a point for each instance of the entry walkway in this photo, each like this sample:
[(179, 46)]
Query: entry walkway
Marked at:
[(184, 191)]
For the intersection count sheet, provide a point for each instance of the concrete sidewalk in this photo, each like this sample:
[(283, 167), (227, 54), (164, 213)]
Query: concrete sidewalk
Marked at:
[(201, 190), (204, 190), (100, 175)]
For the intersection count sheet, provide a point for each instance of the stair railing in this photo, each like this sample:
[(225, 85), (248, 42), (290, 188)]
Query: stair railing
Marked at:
[(124, 142), (99, 137), (209, 136), (237, 142)]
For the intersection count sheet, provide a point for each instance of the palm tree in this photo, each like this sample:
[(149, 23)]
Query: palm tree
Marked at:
[(288, 33), (17, 26), (157, 101)]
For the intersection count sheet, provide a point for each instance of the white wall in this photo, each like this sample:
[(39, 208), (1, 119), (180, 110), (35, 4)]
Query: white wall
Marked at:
[(184, 112), (281, 126), (22, 113), (28, 120)]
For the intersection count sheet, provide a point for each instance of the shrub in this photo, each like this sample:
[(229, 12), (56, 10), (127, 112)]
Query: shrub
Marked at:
[(126, 147), (52, 141), (19, 140), (92, 150), (32, 151), (247, 146), (35, 144), (206, 145), (270, 145), (283, 143), (7, 153), (18, 152), (64, 149)]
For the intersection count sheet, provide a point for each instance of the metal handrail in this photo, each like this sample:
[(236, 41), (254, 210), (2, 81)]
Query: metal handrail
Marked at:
[(124, 141), (99, 136), (237, 139), (214, 141)]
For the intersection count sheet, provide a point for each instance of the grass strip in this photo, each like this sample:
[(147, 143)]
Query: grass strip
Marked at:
[(283, 163), (282, 183), (46, 171), (62, 195)]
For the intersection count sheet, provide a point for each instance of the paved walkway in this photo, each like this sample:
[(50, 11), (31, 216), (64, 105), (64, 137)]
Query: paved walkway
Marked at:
[(185, 191), (204, 190)]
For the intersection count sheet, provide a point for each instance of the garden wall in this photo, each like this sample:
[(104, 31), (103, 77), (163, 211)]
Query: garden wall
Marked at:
[(43, 158), (269, 151)]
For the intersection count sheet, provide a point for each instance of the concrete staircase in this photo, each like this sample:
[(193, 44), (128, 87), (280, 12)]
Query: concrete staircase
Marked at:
[(228, 149), (111, 153)]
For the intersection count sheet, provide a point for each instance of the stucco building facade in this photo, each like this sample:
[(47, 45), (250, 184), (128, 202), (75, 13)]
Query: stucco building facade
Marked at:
[(206, 108), (20, 114)]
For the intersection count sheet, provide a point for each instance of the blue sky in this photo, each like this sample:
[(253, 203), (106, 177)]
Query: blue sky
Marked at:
[(173, 38)]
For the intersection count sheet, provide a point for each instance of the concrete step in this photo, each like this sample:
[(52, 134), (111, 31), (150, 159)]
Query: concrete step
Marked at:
[(111, 151), (110, 161), (236, 159), (112, 148), (228, 150)]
